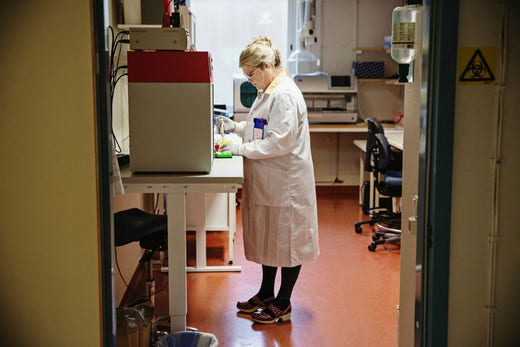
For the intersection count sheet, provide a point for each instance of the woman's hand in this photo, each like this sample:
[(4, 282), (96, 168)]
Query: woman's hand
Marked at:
[(225, 125)]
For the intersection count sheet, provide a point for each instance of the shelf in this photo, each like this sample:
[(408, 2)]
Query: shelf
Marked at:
[(379, 80), (360, 50), (128, 26)]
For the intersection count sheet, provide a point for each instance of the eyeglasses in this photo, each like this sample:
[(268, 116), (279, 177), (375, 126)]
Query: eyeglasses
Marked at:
[(250, 75)]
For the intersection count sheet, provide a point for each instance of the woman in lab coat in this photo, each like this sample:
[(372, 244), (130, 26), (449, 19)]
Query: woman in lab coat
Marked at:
[(278, 196)]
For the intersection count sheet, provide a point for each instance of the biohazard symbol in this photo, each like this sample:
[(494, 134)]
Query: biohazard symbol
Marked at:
[(477, 69)]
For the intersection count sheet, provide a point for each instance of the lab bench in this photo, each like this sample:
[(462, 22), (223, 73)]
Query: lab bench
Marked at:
[(226, 176), (335, 156)]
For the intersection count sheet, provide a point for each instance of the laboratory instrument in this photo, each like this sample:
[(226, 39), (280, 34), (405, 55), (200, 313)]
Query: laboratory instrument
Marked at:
[(142, 38), (244, 94), (170, 99), (329, 98), (303, 60)]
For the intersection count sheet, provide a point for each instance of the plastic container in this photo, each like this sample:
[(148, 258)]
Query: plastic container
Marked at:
[(302, 62), (404, 36), (188, 339), (164, 337), (404, 20)]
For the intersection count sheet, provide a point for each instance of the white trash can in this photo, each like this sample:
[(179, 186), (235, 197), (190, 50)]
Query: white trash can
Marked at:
[(188, 339)]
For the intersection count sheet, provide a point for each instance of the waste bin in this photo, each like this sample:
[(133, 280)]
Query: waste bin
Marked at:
[(188, 339), (134, 324)]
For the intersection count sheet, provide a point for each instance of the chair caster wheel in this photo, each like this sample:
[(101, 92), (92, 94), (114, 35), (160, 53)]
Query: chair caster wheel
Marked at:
[(377, 236), (358, 229), (372, 247)]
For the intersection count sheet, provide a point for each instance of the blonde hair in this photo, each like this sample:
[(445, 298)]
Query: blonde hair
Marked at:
[(258, 51)]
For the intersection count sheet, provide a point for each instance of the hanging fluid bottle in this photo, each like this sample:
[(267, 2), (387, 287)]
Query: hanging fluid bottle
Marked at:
[(404, 35)]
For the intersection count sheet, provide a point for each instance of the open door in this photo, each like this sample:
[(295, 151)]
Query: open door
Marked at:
[(435, 171), (103, 117)]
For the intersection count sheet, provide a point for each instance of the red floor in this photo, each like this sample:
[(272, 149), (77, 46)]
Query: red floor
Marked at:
[(347, 297)]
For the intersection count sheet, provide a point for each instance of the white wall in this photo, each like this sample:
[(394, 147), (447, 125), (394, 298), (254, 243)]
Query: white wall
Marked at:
[(473, 284), (508, 258), (344, 27), (374, 22), (412, 110), (50, 292), (349, 25), (338, 35)]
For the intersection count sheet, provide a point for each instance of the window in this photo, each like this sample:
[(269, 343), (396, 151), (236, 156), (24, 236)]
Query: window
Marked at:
[(225, 27)]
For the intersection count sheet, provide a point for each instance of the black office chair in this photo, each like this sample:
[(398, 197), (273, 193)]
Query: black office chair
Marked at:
[(390, 185), (150, 230), (375, 212), (379, 159)]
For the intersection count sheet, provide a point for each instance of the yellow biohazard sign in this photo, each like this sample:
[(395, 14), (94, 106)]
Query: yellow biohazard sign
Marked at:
[(477, 65)]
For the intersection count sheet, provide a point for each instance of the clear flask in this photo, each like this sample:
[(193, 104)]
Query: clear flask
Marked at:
[(404, 31)]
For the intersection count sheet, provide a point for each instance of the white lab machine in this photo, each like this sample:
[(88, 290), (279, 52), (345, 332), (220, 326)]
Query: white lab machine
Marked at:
[(150, 38), (244, 94), (170, 97), (329, 98)]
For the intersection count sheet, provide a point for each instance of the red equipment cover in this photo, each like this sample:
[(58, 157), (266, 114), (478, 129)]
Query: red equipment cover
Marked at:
[(169, 67)]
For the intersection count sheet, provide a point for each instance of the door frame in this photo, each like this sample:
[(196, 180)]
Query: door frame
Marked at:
[(104, 167), (435, 171)]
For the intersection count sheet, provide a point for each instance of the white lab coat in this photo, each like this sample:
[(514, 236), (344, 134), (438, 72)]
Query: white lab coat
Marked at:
[(279, 212)]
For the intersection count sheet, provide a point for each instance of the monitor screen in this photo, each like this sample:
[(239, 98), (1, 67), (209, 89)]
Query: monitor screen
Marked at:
[(339, 81)]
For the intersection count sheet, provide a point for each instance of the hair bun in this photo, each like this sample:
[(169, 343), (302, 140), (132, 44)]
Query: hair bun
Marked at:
[(260, 50), (266, 41), (262, 40)]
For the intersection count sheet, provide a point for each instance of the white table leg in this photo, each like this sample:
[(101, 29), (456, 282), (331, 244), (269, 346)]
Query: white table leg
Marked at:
[(177, 291), (198, 201), (232, 219), (200, 229)]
